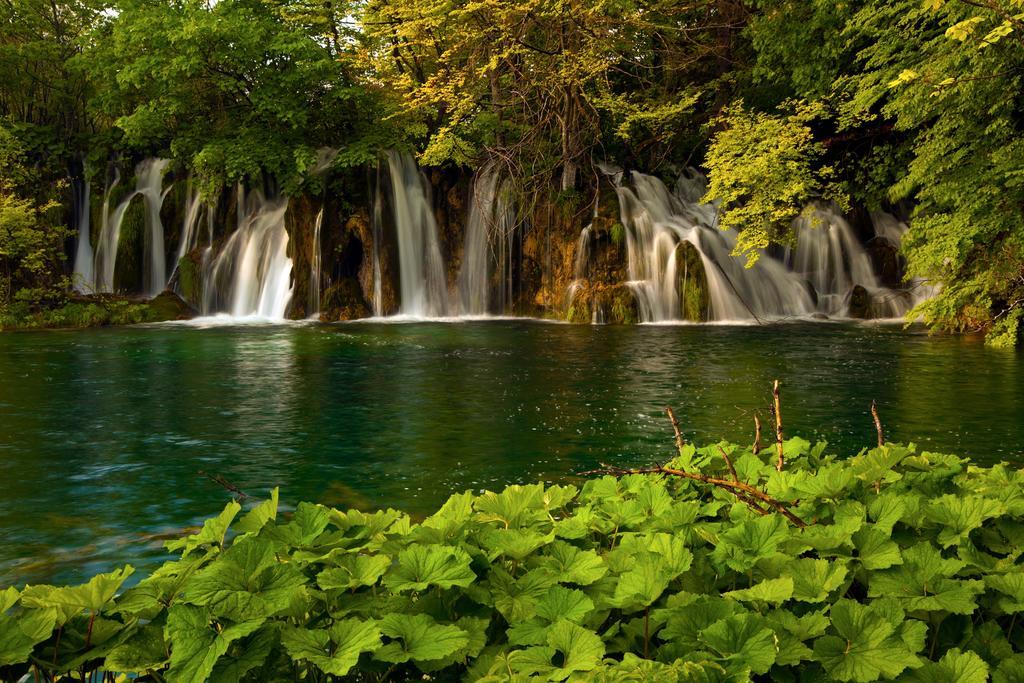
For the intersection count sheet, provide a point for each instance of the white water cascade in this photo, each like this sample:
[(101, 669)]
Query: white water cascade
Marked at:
[(817, 277), (148, 185), (314, 266), (251, 275), (424, 290), (84, 280), (490, 234), (377, 227)]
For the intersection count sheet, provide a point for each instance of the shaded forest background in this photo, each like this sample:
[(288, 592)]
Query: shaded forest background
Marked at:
[(884, 102)]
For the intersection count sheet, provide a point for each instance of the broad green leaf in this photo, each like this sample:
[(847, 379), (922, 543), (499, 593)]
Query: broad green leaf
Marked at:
[(1011, 589), (773, 591), (20, 633), (643, 584), (516, 599), (418, 637), (90, 597), (515, 507), (866, 647), (960, 515), (954, 667), (420, 567), (262, 513), (922, 582), (581, 650), (572, 565), (196, 645), (875, 550), (813, 579), (742, 545), (564, 603), (514, 544), (354, 571), (334, 650), (743, 640), (144, 650), (213, 531)]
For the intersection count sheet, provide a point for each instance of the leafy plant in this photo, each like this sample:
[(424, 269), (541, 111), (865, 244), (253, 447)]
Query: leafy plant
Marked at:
[(905, 565)]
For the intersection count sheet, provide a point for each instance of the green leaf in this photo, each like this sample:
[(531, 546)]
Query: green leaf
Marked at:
[(564, 603), (743, 640), (865, 648), (581, 650), (813, 579), (144, 650), (20, 633), (960, 515), (420, 567), (334, 650), (418, 637), (954, 667), (515, 507), (516, 599), (743, 545), (922, 582), (773, 591), (875, 550), (354, 571), (265, 512), (643, 584), (572, 565), (196, 645), (92, 596), (213, 531), (1011, 588)]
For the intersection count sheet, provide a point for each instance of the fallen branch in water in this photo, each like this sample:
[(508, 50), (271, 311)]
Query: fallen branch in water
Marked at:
[(756, 499), (240, 495), (777, 409), (878, 423), (675, 428), (757, 434)]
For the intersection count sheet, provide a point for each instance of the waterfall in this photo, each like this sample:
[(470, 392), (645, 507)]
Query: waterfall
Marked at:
[(421, 270), (377, 226), (490, 234), (657, 221), (251, 276), (818, 276), (314, 266), (84, 279), (148, 185)]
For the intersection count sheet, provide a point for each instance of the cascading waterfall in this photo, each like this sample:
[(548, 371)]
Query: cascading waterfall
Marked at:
[(314, 266), (84, 279), (251, 276), (657, 221), (490, 234), (818, 276), (148, 185), (421, 271), (377, 226)]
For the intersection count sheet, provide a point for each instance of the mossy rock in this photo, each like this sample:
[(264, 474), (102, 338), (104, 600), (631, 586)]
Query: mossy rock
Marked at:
[(169, 306), (860, 303), (694, 296), (190, 278), (343, 301), (613, 304), (131, 242)]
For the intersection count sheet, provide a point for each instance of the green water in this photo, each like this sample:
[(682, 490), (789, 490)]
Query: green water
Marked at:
[(102, 432)]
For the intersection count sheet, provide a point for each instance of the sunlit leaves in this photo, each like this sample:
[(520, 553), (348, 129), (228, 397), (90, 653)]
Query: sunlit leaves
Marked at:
[(901, 551)]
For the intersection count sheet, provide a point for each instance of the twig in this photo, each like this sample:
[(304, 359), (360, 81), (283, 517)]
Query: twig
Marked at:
[(778, 426), (675, 427), (745, 492), (240, 495), (732, 470), (878, 423), (757, 434)]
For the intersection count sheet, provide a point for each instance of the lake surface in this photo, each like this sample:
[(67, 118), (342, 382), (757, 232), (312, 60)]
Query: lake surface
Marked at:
[(103, 432)]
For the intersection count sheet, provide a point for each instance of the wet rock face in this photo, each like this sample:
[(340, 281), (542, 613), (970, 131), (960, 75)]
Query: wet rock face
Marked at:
[(694, 298), (601, 303), (860, 303), (169, 306), (344, 300), (886, 261)]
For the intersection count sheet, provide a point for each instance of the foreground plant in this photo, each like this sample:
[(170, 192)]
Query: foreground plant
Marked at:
[(906, 567)]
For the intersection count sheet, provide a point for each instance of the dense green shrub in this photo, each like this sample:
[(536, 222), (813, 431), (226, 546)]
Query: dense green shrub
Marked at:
[(908, 568)]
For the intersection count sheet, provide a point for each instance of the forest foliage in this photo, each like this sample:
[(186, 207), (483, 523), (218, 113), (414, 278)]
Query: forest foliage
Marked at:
[(892, 564), (879, 103)]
